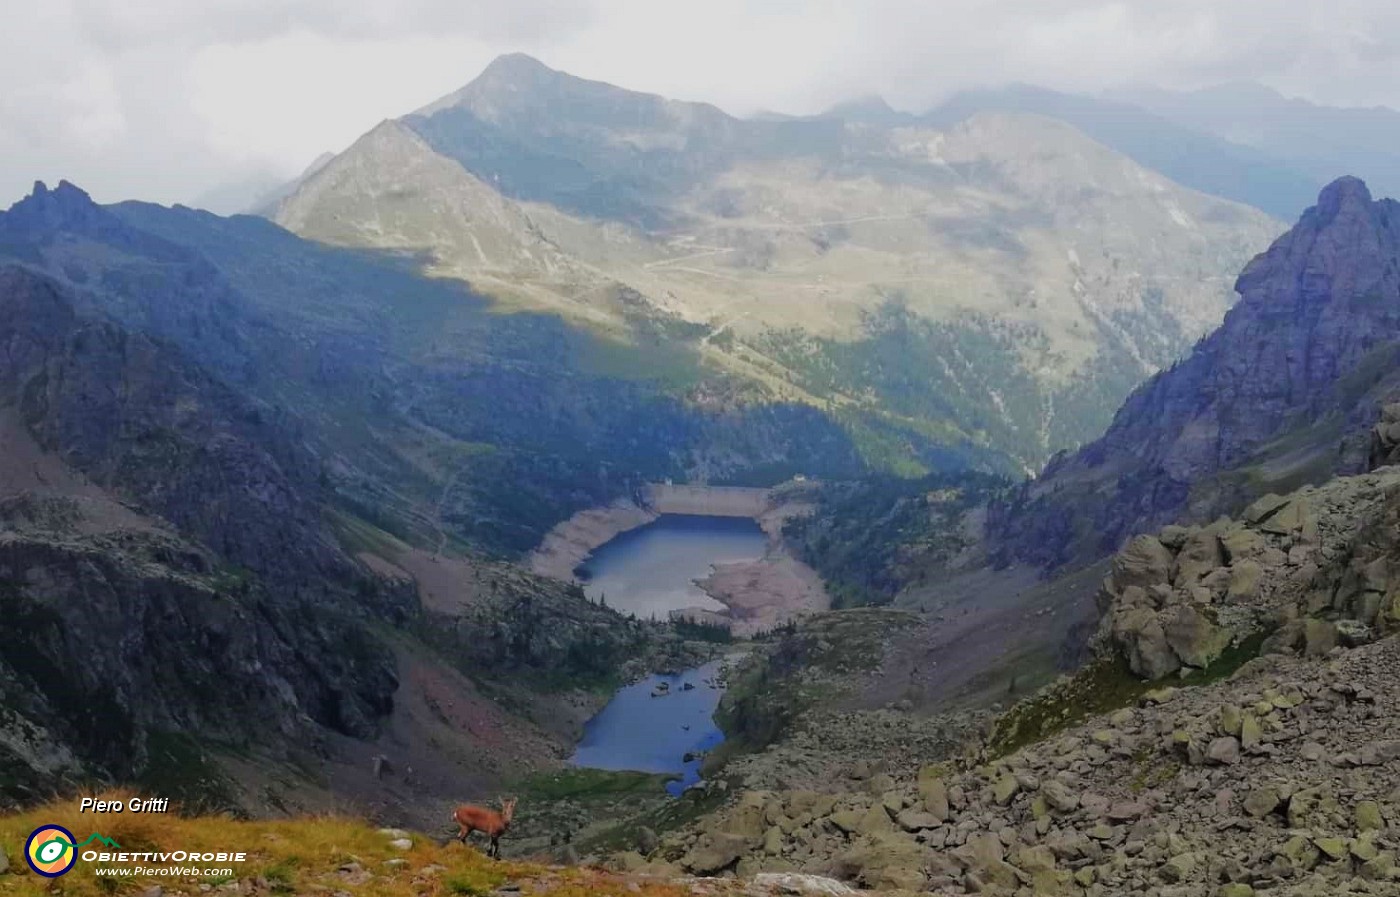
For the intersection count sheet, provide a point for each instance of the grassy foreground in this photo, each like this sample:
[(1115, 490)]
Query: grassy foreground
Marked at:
[(315, 855)]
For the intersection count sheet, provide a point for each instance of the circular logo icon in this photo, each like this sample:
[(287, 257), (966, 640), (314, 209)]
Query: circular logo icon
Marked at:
[(50, 851)]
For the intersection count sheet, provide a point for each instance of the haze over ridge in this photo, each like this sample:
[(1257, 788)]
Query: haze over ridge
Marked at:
[(178, 100)]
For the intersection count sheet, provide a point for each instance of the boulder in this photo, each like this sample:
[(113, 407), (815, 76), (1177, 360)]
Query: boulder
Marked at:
[(1261, 802), (912, 820), (1245, 577), (1200, 554), (747, 818), (1178, 868), (1289, 518), (1368, 816), (847, 821), (1300, 852), (1034, 859), (1144, 561), (1241, 543), (1224, 751), (1143, 642), (1195, 638), (885, 862), (1333, 848), (1059, 797), (1005, 788), (866, 821), (983, 856), (714, 852), (934, 792), (627, 861), (794, 883), (1264, 507), (1319, 637), (1251, 733)]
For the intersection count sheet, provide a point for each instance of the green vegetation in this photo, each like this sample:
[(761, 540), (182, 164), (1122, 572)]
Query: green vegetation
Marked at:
[(700, 631), (1101, 686), (179, 767), (810, 663), (870, 538), (299, 856), (583, 784)]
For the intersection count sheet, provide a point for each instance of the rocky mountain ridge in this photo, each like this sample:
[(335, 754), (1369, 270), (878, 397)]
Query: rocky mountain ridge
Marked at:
[(1284, 392)]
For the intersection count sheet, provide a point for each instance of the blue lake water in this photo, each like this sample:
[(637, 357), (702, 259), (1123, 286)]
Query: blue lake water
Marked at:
[(653, 734), (650, 571)]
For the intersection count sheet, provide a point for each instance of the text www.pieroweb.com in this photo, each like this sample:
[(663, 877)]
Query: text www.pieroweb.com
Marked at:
[(173, 864)]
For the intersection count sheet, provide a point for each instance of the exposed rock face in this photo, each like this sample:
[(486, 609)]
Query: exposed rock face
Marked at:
[(1288, 561), (1308, 353), (1385, 438), (132, 414), (110, 637)]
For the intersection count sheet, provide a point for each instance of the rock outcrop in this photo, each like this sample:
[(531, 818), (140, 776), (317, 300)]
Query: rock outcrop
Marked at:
[(1280, 779), (1284, 392), (1309, 570), (1267, 766)]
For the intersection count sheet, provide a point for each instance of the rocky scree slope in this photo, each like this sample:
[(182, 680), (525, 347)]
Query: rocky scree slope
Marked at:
[(1284, 392), (1268, 764)]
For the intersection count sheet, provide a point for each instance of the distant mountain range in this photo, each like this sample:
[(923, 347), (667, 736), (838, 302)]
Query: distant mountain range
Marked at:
[(1323, 142), (1193, 157), (996, 284)]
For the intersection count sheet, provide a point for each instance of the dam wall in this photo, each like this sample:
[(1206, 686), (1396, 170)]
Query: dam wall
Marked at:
[(707, 501)]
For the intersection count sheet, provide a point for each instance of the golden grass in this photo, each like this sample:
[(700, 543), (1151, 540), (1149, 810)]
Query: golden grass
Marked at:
[(294, 856)]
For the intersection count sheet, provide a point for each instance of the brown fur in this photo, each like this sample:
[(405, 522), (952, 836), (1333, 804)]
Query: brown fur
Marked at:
[(471, 818)]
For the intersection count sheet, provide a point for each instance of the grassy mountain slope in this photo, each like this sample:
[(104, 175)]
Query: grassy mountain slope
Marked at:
[(1196, 157), (1042, 273)]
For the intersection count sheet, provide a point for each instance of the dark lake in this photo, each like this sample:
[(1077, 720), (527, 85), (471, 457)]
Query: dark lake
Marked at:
[(650, 571), (653, 734)]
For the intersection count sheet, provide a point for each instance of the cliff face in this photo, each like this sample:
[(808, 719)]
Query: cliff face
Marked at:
[(185, 585), (1281, 394), (133, 415)]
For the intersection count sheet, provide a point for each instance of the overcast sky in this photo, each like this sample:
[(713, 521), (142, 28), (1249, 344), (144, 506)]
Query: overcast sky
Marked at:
[(167, 100)]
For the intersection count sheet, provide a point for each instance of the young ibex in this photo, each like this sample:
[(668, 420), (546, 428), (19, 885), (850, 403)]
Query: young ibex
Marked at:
[(471, 818)]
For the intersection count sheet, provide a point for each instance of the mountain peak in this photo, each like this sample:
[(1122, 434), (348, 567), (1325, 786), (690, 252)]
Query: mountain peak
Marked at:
[(506, 80), (1343, 192), (64, 204), (515, 65), (1314, 334), (868, 109)]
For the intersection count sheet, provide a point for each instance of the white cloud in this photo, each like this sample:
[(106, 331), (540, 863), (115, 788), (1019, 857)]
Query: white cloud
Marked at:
[(165, 99)]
